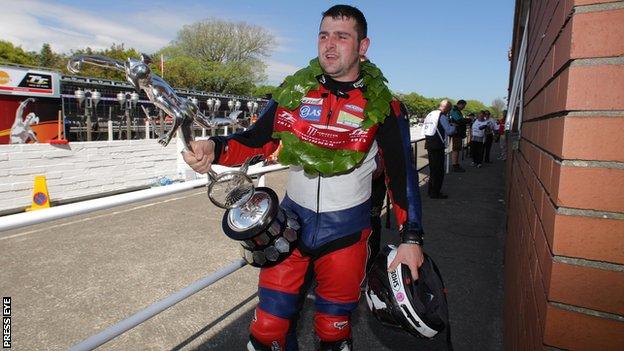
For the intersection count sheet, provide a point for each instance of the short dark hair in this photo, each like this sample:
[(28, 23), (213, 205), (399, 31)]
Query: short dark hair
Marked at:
[(347, 11), (461, 102)]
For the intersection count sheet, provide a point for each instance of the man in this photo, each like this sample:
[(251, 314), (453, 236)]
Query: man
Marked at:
[(503, 139), (457, 118), (489, 135), (479, 137), (336, 98), (435, 143)]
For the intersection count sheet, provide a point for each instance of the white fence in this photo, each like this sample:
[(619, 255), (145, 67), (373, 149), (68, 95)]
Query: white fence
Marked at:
[(82, 169)]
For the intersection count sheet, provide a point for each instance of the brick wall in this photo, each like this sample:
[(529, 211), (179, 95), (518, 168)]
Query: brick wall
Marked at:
[(564, 260), (82, 169)]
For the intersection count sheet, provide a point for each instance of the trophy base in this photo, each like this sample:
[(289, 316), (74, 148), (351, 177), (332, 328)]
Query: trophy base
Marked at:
[(268, 233)]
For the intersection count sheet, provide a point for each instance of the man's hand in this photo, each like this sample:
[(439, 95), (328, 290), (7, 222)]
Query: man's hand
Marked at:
[(201, 156), (411, 255)]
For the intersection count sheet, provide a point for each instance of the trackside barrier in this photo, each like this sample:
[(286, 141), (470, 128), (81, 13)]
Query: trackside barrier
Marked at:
[(25, 219), (29, 218)]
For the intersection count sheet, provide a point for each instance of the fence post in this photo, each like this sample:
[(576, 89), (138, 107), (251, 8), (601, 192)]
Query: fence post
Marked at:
[(110, 123)]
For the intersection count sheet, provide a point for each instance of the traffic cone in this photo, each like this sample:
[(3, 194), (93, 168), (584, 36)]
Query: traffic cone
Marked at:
[(41, 198)]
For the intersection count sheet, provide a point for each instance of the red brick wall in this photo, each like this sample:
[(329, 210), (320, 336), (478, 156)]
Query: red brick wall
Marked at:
[(564, 259)]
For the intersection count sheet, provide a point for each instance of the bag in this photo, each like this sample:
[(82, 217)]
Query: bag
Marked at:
[(430, 125)]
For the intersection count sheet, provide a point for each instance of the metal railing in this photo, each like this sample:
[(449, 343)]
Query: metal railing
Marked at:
[(41, 216)]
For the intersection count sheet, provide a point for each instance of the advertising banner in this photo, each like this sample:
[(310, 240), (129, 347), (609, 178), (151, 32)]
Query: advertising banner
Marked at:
[(29, 82), (29, 105)]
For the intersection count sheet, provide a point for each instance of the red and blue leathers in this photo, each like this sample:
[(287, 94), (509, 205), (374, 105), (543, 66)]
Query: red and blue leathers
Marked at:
[(333, 210)]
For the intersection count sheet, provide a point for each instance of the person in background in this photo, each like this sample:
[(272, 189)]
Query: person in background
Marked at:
[(435, 145), (503, 141), (457, 118), (471, 117), (478, 138), (489, 135)]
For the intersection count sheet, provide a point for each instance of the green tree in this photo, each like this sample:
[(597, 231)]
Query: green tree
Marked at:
[(261, 91), (498, 105), (15, 54), (46, 57), (116, 51), (224, 56), (473, 106), (418, 105)]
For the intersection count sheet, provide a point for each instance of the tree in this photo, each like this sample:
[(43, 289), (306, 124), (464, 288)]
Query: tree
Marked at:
[(473, 106), (221, 41), (418, 105), (46, 57), (15, 54), (262, 91), (225, 56), (498, 105), (116, 51)]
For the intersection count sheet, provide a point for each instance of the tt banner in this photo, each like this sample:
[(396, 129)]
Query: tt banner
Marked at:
[(29, 105)]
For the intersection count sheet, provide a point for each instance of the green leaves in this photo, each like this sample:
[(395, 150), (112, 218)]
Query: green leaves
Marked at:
[(315, 159), (296, 86), (15, 54)]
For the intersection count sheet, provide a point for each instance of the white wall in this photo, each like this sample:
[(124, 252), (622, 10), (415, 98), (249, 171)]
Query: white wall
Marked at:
[(82, 169)]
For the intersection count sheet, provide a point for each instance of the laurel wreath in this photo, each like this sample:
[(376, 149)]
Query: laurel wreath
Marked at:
[(316, 159)]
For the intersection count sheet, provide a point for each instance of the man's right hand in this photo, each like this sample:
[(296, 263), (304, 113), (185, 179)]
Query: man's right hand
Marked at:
[(201, 156)]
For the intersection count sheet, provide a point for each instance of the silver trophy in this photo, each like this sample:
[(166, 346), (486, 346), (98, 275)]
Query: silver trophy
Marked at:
[(267, 232), (159, 92)]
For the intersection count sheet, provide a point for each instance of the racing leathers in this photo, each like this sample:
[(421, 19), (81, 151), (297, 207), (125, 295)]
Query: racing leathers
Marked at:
[(333, 210)]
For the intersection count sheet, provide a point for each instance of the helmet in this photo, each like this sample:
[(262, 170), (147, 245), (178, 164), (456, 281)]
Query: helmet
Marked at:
[(418, 307)]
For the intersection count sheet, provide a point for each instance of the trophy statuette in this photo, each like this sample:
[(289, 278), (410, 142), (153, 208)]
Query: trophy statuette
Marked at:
[(267, 232)]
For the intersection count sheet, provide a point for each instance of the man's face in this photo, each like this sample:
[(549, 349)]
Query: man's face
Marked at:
[(445, 107), (339, 49), (461, 106)]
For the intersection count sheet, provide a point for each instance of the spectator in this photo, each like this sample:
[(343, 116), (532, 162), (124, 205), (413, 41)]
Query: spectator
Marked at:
[(489, 135), (471, 118), (478, 138), (457, 118), (436, 128), (503, 141)]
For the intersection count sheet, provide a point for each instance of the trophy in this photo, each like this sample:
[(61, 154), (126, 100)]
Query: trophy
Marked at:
[(267, 232)]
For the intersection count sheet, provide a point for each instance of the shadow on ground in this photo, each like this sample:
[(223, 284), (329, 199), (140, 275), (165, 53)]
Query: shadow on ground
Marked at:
[(465, 236)]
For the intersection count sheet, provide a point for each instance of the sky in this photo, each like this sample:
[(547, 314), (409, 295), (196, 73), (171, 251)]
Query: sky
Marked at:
[(443, 48)]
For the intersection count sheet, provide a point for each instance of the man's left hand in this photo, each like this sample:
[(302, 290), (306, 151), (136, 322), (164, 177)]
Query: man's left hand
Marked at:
[(411, 255)]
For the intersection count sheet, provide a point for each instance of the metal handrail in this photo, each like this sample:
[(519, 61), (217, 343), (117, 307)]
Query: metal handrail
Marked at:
[(117, 329)]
